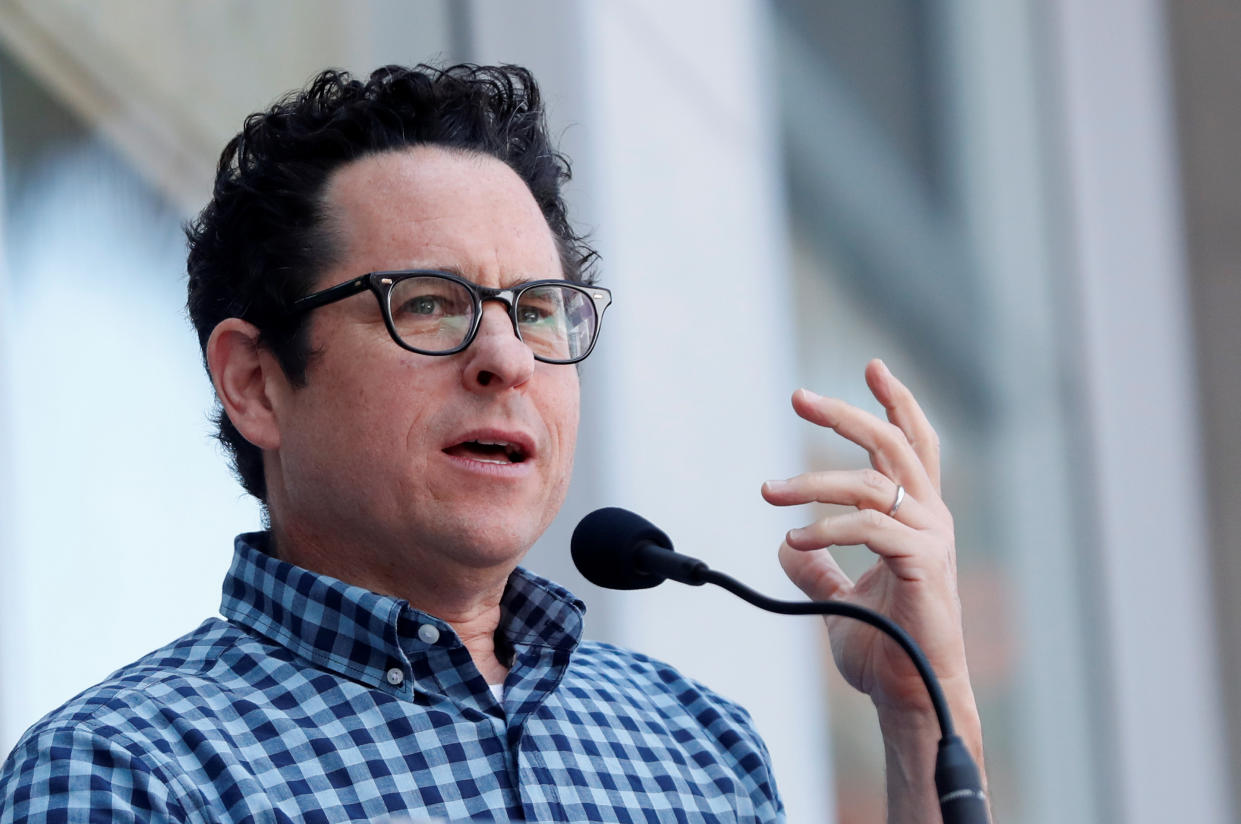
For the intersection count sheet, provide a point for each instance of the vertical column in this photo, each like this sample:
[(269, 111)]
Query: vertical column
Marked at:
[(1204, 44), (1141, 416), (7, 553), (1035, 485)]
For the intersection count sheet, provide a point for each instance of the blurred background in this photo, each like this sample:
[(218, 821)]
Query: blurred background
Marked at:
[(1031, 209)]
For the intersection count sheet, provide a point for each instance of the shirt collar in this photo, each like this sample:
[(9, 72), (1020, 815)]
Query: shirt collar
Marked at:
[(360, 634)]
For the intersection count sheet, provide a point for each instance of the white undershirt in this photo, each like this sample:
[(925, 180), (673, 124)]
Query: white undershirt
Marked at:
[(498, 691)]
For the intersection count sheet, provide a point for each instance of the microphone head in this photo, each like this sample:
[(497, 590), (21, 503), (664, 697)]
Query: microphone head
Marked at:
[(605, 546)]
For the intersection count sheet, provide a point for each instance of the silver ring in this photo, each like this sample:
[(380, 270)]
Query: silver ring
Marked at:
[(900, 499)]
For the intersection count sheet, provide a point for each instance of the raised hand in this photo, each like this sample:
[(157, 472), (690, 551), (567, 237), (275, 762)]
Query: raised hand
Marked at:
[(899, 515)]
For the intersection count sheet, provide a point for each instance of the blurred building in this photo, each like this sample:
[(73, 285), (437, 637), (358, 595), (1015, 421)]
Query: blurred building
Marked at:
[(1031, 210)]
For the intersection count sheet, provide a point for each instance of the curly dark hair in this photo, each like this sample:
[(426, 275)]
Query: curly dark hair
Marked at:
[(261, 242)]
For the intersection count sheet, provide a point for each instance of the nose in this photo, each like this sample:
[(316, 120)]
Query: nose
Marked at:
[(497, 359)]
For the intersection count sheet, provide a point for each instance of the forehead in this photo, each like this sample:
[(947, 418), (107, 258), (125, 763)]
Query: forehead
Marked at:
[(430, 207)]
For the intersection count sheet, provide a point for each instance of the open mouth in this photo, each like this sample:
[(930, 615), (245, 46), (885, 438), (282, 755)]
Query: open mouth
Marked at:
[(499, 452)]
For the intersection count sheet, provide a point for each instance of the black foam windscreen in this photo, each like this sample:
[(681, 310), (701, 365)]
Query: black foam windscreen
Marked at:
[(605, 547)]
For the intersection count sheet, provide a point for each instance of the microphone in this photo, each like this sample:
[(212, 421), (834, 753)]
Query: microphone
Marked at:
[(617, 549)]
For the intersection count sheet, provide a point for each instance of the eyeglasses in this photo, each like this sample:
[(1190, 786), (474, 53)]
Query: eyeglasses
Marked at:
[(438, 313)]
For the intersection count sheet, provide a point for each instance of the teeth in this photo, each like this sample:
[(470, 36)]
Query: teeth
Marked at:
[(514, 452), (505, 452)]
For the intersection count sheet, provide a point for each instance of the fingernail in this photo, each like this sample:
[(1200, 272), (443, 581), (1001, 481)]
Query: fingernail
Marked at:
[(814, 396), (795, 535), (776, 485)]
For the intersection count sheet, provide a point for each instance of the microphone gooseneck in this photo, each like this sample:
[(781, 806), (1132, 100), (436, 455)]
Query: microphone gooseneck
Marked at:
[(618, 549)]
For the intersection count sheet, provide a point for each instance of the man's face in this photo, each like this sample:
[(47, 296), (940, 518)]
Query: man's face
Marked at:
[(385, 449)]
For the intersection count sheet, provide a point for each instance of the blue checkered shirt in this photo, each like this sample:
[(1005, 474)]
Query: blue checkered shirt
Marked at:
[(318, 701)]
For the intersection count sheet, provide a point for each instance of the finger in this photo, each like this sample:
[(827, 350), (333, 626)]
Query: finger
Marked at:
[(905, 412), (904, 549), (815, 573), (861, 488), (889, 449)]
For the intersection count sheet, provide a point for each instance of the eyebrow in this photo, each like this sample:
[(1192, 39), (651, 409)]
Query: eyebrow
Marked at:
[(456, 270)]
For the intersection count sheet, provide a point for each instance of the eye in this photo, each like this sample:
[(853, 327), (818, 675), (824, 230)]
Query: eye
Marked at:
[(424, 299), (531, 314), (423, 305)]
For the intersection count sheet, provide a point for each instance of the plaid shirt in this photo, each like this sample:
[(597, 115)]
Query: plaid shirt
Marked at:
[(318, 701)]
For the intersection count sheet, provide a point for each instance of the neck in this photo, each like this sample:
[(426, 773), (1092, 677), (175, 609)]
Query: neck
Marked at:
[(466, 598)]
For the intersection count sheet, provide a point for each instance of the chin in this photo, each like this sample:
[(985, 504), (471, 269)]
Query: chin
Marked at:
[(483, 544)]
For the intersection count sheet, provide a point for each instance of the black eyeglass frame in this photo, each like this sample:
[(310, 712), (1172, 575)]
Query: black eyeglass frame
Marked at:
[(382, 284)]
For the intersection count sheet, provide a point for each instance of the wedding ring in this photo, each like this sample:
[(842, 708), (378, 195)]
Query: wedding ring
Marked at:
[(900, 499)]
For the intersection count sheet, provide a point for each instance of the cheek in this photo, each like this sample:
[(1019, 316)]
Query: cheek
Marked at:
[(372, 416), (566, 406)]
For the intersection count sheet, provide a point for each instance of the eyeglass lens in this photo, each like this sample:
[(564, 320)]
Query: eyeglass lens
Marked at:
[(434, 314)]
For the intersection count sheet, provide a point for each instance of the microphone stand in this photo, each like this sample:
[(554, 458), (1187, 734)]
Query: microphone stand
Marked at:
[(957, 780)]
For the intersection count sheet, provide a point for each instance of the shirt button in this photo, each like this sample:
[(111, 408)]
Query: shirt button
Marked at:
[(428, 634), (395, 677)]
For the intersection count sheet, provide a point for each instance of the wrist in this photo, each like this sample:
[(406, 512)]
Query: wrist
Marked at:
[(903, 724), (911, 736)]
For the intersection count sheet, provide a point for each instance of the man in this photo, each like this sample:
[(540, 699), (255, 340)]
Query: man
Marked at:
[(390, 301)]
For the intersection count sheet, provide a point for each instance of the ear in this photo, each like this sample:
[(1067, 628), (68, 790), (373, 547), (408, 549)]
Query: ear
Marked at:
[(245, 375)]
